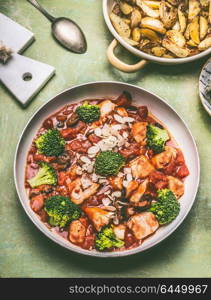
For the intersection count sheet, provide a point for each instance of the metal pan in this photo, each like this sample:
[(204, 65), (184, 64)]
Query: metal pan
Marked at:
[(140, 96)]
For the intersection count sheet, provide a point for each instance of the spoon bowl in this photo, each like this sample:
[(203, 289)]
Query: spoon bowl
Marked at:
[(65, 31), (69, 35)]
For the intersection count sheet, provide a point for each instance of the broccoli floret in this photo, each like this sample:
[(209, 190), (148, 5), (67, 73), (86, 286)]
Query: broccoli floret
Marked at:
[(45, 175), (50, 143), (88, 113), (156, 138), (167, 208), (106, 239), (61, 211), (109, 163)]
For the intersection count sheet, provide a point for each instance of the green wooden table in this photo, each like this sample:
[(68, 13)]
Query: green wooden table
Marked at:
[(24, 250)]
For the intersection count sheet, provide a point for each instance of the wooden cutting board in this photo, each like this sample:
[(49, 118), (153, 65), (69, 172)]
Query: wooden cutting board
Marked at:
[(23, 76)]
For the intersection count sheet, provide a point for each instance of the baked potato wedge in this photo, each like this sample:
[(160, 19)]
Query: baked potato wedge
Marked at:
[(158, 51), (205, 44), (176, 37), (182, 19), (153, 4), (136, 34), (175, 49), (135, 18), (153, 24), (125, 8), (194, 9), (150, 34), (194, 30), (203, 27), (147, 10), (121, 27), (168, 14)]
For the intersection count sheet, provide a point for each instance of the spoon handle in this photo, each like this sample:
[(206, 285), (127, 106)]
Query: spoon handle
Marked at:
[(42, 10)]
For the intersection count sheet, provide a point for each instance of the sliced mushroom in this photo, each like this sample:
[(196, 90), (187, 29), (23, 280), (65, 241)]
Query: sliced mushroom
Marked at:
[(203, 27), (175, 49), (121, 27), (168, 14), (194, 9), (150, 34), (147, 10), (205, 44), (176, 37), (125, 8), (153, 24), (135, 18)]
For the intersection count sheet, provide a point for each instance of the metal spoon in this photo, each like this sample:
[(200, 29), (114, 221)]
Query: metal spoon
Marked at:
[(66, 31)]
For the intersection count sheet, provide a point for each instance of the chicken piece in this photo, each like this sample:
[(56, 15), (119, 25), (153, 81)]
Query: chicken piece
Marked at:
[(122, 111), (116, 182), (98, 216), (37, 203), (73, 172), (77, 232), (106, 107), (119, 231), (139, 131), (136, 196), (162, 159), (141, 167), (176, 186), (132, 186), (143, 225), (77, 194)]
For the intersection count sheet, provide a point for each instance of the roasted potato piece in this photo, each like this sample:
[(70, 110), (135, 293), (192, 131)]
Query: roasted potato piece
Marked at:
[(168, 14), (187, 32), (194, 9), (125, 8), (131, 42), (150, 34), (204, 3), (153, 4), (136, 34), (121, 27), (182, 19), (175, 49), (205, 44), (158, 51), (194, 30), (203, 27), (135, 18), (176, 26), (176, 37), (174, 2), (153, 24), (147, 10), (192, 43), (210, 13)]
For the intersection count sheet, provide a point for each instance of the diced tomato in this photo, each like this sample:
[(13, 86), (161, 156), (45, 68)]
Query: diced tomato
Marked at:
[(180, 158), (61, 178), (183, 171)]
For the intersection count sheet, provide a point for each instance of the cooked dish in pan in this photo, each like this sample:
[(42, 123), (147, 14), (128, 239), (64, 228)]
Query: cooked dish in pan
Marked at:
[(169, 29), (105, 174)]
